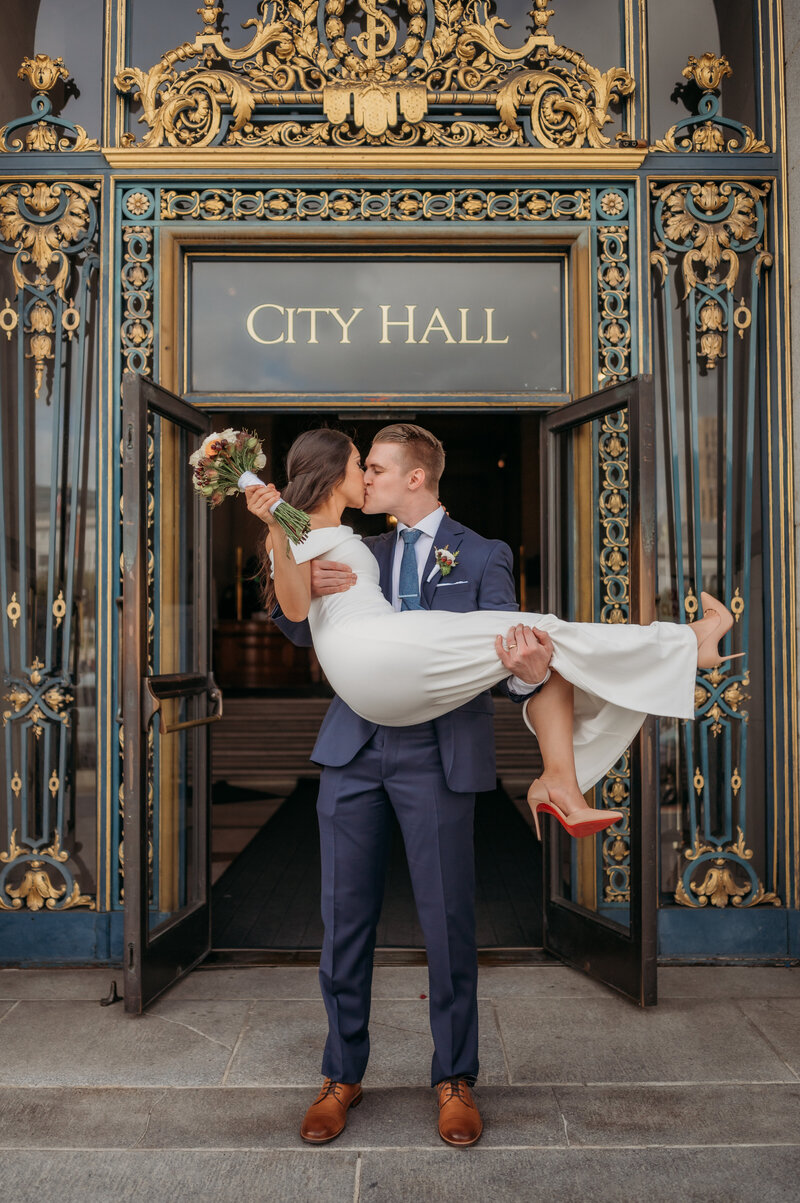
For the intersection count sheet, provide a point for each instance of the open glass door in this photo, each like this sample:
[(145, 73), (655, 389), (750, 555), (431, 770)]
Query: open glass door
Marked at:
[(169, 697), (598, 544)]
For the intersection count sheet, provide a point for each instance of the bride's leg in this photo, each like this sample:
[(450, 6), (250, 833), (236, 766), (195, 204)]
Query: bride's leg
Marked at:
[(550, 711)]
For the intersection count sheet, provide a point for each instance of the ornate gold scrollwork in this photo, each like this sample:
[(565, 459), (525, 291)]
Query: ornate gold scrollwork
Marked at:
[(35, 889), (43, 130), (613, 278), (25, 700), (40, 221), (302, 81), (732, 697), (710, 222), (723, 880), (42, 224), (708, 131)]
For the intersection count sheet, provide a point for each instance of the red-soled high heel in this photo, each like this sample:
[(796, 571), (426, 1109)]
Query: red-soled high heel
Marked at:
[(587, 821)]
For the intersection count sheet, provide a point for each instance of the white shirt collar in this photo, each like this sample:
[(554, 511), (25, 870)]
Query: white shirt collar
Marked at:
[(428, 525)]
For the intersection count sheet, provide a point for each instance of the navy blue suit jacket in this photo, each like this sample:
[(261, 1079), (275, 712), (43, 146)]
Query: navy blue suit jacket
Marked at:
[(481, 580)]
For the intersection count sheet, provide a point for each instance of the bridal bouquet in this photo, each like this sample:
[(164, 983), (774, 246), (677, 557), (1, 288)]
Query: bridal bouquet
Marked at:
[(224, 465)]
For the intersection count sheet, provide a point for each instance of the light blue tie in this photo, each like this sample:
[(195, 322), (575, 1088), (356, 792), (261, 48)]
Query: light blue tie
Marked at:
[(408, 585)]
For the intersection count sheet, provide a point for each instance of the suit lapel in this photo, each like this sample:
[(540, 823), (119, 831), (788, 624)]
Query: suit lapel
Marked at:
[(383, 551), (448, 535)]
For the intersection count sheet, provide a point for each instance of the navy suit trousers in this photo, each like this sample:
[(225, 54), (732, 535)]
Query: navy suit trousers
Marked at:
[(399, 770)]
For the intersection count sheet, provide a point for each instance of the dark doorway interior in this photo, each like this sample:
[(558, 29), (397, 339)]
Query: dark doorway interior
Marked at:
[(265, 857), (268, 897)]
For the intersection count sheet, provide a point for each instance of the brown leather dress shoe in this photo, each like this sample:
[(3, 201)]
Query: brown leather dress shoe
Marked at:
[(327, 1115), (460, 1121)]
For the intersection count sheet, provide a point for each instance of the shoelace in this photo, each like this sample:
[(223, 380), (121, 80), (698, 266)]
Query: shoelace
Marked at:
[(453, 1089), (330, 1087)]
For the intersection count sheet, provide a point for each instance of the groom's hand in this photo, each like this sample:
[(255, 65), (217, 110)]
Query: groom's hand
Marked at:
[(526, 652), (328, 576)]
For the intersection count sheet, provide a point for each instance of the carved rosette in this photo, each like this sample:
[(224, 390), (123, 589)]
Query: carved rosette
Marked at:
[(365, 72)]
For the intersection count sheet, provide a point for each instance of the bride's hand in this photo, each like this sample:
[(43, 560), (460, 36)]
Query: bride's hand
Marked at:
[(259, 499)]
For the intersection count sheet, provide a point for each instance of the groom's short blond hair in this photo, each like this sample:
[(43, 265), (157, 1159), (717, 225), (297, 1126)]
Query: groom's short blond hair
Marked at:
[(420, 449)]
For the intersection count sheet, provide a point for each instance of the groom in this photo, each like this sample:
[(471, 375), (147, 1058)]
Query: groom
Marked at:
[(427, 775)]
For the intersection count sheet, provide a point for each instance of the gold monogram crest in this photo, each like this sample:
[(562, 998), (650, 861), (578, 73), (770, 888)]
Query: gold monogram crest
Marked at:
[(348, 72)]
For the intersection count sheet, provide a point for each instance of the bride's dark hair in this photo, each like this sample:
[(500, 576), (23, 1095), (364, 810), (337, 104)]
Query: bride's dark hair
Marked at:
[(316, 464)]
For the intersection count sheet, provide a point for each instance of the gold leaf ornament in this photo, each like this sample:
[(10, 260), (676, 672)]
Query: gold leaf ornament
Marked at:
[(366, 80), (44, 242)]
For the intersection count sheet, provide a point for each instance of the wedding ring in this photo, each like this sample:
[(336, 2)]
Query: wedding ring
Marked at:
[(510, 645)]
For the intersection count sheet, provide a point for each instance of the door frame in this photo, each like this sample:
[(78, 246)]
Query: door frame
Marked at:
[(152, 963), (625, 959)]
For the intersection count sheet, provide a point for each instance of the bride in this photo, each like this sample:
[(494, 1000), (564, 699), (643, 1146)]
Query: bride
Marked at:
[(399, 669)]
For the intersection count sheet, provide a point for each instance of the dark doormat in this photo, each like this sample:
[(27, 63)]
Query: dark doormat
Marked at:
[(269, 896)]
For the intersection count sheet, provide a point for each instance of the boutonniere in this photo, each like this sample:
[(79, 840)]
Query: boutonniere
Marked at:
[(445, 561)]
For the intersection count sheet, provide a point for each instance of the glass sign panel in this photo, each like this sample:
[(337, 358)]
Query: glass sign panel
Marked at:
[(262, 325)]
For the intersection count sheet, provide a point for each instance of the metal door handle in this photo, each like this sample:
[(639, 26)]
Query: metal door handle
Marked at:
[(214, 693)]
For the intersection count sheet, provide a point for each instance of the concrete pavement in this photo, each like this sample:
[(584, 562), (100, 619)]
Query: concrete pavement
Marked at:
[(583, 1095)]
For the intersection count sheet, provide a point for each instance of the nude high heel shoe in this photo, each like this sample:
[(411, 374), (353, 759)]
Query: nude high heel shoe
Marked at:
[(586, 821), (708, 649)]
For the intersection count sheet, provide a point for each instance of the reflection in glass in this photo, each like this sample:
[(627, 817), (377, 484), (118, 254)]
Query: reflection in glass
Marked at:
[(177, 824), (176, 648), (177, 764)]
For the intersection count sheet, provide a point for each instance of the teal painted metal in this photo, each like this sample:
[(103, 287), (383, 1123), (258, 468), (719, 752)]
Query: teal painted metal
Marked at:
[(39, 749), (715, 787), (779, 835), (696, 132)]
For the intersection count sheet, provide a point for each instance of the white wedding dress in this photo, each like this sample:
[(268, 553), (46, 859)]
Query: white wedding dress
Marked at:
[(398, 669)]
